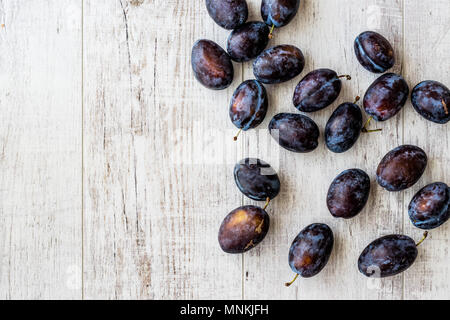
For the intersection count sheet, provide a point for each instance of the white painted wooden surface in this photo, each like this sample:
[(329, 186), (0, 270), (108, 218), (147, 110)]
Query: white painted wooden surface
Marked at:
[(116, 165), (40, 149)]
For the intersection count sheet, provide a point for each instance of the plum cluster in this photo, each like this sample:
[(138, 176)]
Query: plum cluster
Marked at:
[(401, 168)]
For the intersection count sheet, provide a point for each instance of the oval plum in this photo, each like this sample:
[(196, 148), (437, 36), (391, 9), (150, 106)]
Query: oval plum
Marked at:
[(211, 65), (387, 256), (229, 14), (374, 52), (386, 96), (317, 90), (248, 41), (401, 168), (279, 12), (294, 132), (431, 99), (348, 193), (256, 179), (243, 229), (249, 104), (430, 206), (311, 250), (278, 64), (343, 128)]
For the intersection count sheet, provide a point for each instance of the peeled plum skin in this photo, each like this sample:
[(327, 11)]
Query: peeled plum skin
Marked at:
[(311, 250), (317, 90), (279, 12), (211, 65), (401, 168), (374, 52), (228, 14), (243, 229), (387, 256), (348, 193), (343, 128), (431, 99), (278, 64), (249, 105), (256, 179), (248, 41), (294, 132), (386, 96), (430, 206)]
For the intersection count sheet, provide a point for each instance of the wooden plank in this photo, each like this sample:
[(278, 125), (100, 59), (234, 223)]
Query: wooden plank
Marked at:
[(158, 156), (40, 149), (325, 31), (427, 43)]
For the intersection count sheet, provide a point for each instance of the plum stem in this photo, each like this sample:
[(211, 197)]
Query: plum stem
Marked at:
[(425, 235), (356, 99), (267, 203), (364, 128), (237, 135), (445, 106), (271, 31), (287, 284), (345, 76)]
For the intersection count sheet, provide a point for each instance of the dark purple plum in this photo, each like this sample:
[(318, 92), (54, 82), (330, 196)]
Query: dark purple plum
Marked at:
[(317, 90), (348, 193), (294, 132), (387, 256), (343, 128), (374, 52), (256, 179), (430, 207), (248, 41), (279, 13), (386, 96), (212, 66), (431, 99), (228, 14), (401, 168), (311, 250), (243, 229), (278, 64), (249, 105)]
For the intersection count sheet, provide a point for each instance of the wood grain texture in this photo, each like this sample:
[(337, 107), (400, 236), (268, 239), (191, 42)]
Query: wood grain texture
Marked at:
[(117, 165), (40, 149), (157, 181)]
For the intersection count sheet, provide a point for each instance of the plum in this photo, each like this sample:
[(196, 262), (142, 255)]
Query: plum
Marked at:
[(311, 250), (430, 206), (248, 41), (343, 128), (294, 132), (243, 229), (401, 168), (278, 64), (212, 66), (374, 52), (248, 106), (386, 96), (348, 193), (317, 90), (388, 256), (229, 14), (431, 99), (256, 179)]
